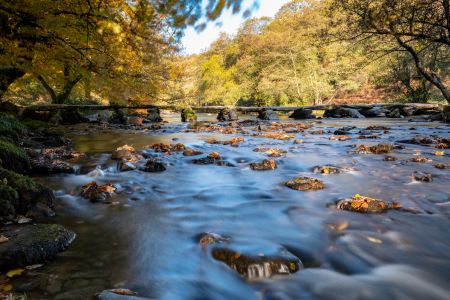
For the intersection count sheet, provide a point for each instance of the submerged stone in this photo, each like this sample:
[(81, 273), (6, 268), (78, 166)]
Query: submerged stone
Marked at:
[(125, 166), (305, 184), (97, 193), (376, 149), (32, 244), (327, 170), (421, 159), (209, 238), (363, 204), (267, 164), (213, 158), (422, 176), (191, 152), (153, 166), (258, 265), (389, 158), (272, 152)]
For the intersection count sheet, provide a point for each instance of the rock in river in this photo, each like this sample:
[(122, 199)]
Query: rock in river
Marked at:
[(258, 263), (153, 165), (33, 244), (363, 204), (422, 176), (305, 184), (265, 165)]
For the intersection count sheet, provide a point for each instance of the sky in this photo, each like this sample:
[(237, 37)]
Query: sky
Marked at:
[(194, 42)]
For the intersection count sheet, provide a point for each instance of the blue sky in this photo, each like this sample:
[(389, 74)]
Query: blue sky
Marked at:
[(195, 42)]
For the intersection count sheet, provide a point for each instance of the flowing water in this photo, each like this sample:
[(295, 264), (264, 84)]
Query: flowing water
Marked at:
[(147, 239)]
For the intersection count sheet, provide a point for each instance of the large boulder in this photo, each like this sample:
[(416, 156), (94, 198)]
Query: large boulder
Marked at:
[(118, 117), (22, 195), (154, 115), (301, 113), (68, 117), (227, 114), (188, 115), (267, 114), (32, 244), (343, 112), (374, 112)]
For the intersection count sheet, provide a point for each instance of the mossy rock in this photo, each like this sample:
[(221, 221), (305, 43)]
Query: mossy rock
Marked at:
[(188, 115), (118, 117), (11, 128), (35, 125), (305, 184), (13, 157), (8, 201), (31, 193), (33, 244)]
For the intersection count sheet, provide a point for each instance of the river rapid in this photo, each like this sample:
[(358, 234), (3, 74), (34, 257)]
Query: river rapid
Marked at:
[(146, 239)]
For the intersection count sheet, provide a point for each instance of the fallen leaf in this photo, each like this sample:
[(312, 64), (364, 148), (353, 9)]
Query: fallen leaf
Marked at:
[(6, 288), (15, 272), (374, 240)]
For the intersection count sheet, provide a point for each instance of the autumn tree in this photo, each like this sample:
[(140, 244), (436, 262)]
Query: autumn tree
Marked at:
[(420, 28)]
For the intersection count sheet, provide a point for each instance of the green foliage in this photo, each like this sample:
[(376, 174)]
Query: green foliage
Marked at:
[(8, 200)]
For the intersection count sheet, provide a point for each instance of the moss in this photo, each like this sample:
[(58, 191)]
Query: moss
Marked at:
[(8, 201), (13, 157), (11, 128), (35, 125)]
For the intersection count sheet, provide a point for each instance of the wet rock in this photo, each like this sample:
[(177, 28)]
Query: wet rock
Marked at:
[(227, 114), (343, 130), (209, 238), (265, 165), (118, 117), (422, 176), (188, 115), (33, 244), (428, 141), (302, 113), (258, 265), (213, 158), (389, 158), (343, 112), (377, 128), (327, 170), (363, 204), (47, 166), (154, 115), (340, 138), (278, 136), (441, 166), (166, 148), (267, 114), (134, 120), (395, 113), (317, 132), (123, 153), (298, 141), (191, 152), (272, 152), (374, 112), (421, 159), (376, 149), (125, 166), (305, 184), (153, 166), (97, 193)]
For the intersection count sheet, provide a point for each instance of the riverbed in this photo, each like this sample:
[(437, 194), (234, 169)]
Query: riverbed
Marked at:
[(146, 239)]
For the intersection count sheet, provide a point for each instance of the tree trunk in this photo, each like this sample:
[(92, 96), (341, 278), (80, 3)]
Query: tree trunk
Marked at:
[(64, 95), (429, 75), (7, 76)]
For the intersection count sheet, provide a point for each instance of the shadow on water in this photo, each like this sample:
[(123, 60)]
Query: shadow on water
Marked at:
[(146, 241)]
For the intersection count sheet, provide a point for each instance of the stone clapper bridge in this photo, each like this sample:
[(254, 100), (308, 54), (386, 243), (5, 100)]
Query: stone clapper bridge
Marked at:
[(299, 112)]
